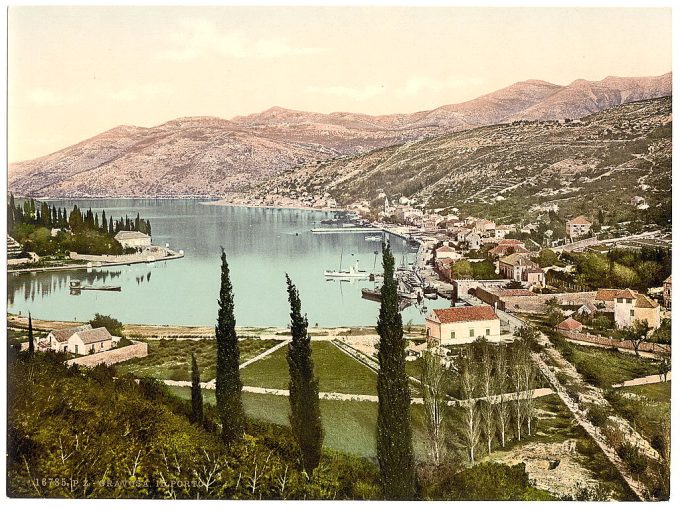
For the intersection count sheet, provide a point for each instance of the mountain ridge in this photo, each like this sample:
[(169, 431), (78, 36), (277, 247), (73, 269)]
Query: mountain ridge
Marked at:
[(212, 156)]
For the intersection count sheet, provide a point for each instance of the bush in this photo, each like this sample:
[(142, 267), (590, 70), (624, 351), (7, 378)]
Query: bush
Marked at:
[(598, 415), (631, 456)]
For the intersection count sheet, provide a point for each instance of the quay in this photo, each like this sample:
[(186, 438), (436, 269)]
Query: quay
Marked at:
[(345, 230)]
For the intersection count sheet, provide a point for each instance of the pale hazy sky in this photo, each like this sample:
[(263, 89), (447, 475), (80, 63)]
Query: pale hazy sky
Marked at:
[(74, 72)]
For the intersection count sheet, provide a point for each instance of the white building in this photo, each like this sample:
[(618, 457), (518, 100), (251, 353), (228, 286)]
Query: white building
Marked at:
[(630, 306), (133, 239), (577, 227), (81, 340), (461, 325)]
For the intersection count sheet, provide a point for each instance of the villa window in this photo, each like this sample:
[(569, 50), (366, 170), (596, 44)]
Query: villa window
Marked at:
[(488, 331), (472, 332), (453, 335), (632, 313), (76, 352)]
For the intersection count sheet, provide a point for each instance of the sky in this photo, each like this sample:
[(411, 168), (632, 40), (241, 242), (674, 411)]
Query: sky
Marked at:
[(74, 72)]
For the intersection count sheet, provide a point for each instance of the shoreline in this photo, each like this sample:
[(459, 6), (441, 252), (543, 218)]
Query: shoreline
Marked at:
[(196, 331), (90, 265), (227, 203)]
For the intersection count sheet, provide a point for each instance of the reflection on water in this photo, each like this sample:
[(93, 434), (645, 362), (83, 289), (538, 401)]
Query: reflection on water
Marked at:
[(261, 245)]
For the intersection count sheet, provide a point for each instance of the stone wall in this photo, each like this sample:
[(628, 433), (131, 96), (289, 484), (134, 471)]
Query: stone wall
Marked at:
[(536, 304), (649, 347), (136, 350)]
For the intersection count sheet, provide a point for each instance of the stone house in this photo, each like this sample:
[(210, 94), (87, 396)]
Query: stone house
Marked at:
[(570, 325), (447, 252), (462, 325), (521, 268), (508, 246), (667, 292), (630, 306), (577, 227), (133, 239), (81, 340)]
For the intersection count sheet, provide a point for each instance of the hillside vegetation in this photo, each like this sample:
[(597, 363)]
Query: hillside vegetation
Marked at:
[(502, 171)]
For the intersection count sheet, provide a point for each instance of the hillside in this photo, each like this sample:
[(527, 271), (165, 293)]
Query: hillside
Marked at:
[(600, 161), (208, 156)]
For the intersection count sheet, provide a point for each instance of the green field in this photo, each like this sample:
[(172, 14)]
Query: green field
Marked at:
[(170, 359), (644, 406), (605, 367), (337, 372)]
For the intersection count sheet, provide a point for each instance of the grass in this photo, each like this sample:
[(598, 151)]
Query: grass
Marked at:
[(337, 371), (644, 406), (170, 359), (605, 367)]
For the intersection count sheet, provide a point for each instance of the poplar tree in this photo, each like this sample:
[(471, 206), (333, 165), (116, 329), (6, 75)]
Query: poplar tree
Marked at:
[(305, 416), (228, 382), (394, 436), (196, 394), (31, 342)]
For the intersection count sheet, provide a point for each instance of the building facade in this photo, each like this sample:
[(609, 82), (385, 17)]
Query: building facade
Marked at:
[(462, 325), (577, 227), (133, 239)]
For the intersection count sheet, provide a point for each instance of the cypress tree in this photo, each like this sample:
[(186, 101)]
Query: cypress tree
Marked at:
[(228, 382), (394, 436), (305, 416), (111, 231), (196, 394), (31, 343)]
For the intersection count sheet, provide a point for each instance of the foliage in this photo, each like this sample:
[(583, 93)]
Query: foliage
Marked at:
[(228, 381), (196, 395), (490, 481), (394, 436), (120, 439), (80, 231), (114, 326), (305, 416)]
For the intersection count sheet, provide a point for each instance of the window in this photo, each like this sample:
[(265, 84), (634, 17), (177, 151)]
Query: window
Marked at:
[(632, 313), (488, 331), (76, 352), (102, 345), (629, 300), (453, 335), (472, 332), (620, 300)]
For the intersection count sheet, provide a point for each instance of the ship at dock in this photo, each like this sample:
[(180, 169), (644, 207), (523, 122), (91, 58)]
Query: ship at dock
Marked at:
[(76, 287)]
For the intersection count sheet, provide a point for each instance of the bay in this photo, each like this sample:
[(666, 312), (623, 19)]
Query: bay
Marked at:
[(262, 245)]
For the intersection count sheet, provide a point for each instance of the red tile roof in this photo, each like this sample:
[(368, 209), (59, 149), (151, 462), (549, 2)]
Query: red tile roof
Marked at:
[(510, 241), (625, 293), (464, 314), (644, 302), (606, 295), (580, 220), (569, 324)]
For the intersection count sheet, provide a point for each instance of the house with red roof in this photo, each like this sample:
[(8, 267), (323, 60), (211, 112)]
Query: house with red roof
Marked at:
[(570, 325), (630, 306), (577, 227), (462, 325), (508, 246)]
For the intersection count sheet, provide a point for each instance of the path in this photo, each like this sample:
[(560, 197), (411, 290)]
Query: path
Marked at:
[(645, 380)]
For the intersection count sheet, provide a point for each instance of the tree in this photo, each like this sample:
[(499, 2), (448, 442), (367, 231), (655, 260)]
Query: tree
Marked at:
[(394, 435), (461, 269), (664, 367), (637, 333), (228, 382), (502, 407), (305, 416), (111, 324), (434, 401), (31, 342), (196, 394), (471, 418), (488, 387)]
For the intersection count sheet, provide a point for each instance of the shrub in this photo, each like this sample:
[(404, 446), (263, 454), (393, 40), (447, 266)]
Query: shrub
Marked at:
[(598, 415), (631, 456)]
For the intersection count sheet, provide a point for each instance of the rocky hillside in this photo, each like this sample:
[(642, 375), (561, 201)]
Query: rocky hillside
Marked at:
[(206, 156), (501, 171)]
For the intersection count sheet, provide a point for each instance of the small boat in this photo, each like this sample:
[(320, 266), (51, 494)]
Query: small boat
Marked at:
[(77, 286), (430, 292), (373, 238), (371, 294)]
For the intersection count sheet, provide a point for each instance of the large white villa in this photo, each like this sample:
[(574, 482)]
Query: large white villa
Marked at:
[(461, 325), (81, 340)]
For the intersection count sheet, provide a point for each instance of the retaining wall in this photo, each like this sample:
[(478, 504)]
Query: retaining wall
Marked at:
[(649, 347), (136, 350)]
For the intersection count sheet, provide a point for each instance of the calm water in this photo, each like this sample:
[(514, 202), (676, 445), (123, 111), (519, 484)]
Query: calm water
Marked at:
[(261, 246)]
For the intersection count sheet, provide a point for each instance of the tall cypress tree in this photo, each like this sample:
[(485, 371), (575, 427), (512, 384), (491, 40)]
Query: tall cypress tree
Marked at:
[(228, 382), (196, 394), (305, 416), (31, 342), (394, 436)]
